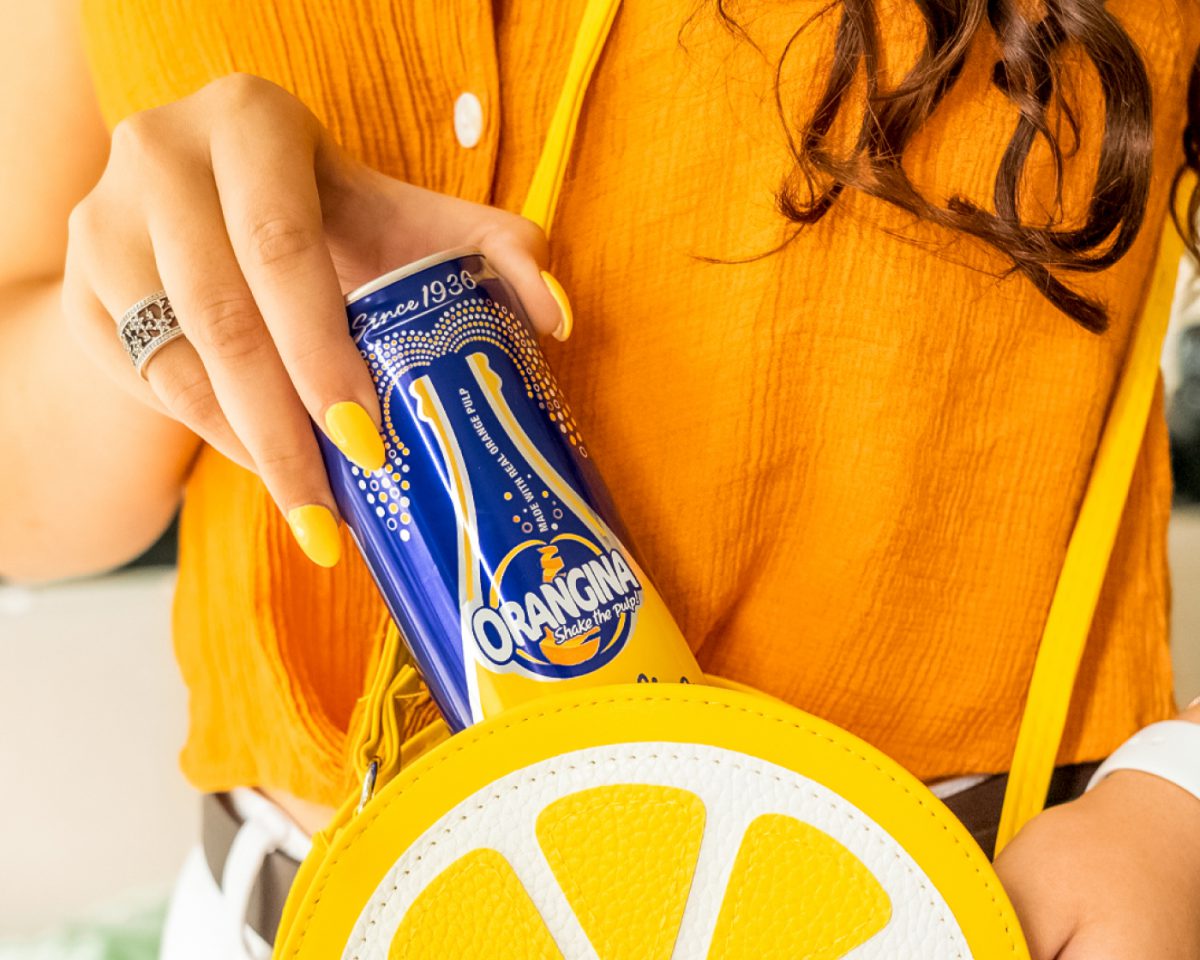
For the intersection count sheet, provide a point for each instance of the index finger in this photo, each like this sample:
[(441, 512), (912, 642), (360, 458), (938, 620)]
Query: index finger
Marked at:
[(264, 169)]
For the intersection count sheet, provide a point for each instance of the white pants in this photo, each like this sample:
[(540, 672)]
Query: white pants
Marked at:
[(208, 922)]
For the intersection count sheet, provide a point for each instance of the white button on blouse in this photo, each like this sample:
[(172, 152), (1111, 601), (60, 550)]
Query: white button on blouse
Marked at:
[(468, 120)]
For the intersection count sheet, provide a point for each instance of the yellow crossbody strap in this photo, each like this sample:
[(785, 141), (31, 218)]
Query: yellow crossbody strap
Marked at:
[(594, 27), (1070, 618)]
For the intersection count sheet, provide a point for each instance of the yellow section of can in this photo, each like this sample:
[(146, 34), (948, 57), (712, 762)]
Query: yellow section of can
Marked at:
[(656, 652)]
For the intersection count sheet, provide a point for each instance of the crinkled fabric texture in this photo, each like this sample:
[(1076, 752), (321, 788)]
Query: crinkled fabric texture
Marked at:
[(852, 467)]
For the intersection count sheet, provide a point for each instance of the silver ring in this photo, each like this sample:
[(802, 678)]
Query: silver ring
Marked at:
[(147, 327)]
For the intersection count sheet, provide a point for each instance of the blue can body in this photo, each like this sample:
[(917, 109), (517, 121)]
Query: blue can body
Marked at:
[(489, 531)]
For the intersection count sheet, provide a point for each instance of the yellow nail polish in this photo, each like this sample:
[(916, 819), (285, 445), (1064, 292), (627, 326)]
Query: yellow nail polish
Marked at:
[(355, 433), (567, 323), (316, 531)]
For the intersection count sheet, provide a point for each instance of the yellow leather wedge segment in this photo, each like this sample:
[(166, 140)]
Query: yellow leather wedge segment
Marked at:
[(797, 892), (624, 856), (475, 908)]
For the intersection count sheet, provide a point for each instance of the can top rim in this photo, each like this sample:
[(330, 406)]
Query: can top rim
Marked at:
[(371, 286)]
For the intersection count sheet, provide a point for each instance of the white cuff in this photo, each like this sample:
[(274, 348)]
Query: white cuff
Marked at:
[(1170, 750)]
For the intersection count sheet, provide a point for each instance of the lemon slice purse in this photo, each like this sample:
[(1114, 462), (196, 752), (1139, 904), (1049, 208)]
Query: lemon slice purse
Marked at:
[(674, 822), (650, 821)]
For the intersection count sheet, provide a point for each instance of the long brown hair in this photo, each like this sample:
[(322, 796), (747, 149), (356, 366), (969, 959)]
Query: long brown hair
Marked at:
[(1028, 73)]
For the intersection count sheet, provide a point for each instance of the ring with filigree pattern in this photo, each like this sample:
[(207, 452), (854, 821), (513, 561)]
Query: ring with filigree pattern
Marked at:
[(147, 327)]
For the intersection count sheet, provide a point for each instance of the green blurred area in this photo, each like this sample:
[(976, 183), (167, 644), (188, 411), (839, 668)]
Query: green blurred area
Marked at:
[(128, 932)]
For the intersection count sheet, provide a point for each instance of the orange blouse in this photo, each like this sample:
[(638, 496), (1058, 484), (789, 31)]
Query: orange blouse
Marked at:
[(852, 466)]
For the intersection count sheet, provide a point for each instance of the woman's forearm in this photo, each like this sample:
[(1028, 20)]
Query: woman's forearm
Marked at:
[(89, 476)]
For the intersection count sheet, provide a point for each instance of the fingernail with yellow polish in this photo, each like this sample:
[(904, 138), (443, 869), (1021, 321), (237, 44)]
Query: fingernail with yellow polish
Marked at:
[(316, 531), (355, 433), (565, 325)]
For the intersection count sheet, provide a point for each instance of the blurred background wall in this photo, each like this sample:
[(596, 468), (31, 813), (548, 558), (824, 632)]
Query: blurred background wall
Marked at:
[(92, 714)]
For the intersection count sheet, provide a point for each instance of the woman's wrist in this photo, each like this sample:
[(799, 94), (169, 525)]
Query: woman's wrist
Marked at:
[(1159, 762), (1166, 807), (1168, 802)]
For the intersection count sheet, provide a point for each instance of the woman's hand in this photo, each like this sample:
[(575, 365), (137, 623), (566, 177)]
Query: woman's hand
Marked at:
[(237, 202), (1114, 875)]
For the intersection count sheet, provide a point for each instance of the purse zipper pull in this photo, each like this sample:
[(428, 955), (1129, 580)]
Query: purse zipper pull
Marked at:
[(368, 786)]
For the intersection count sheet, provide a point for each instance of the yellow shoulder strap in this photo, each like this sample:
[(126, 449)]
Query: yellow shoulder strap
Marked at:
[(1070, 618), (594, 27)]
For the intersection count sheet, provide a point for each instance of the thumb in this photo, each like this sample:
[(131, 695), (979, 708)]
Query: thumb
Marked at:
[(363, 207), (520, 257)]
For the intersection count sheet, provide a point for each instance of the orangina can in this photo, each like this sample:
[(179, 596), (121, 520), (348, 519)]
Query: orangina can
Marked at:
[(489, 531)]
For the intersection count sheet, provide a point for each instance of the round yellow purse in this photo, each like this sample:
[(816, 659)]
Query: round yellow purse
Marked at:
[(651, 821), (661, 821)]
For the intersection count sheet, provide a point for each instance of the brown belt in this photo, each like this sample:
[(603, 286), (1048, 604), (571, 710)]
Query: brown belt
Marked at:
[(978, 807), (219, 826)]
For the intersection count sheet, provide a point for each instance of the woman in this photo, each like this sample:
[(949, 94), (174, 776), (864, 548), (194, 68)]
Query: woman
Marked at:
[(882, 394)]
